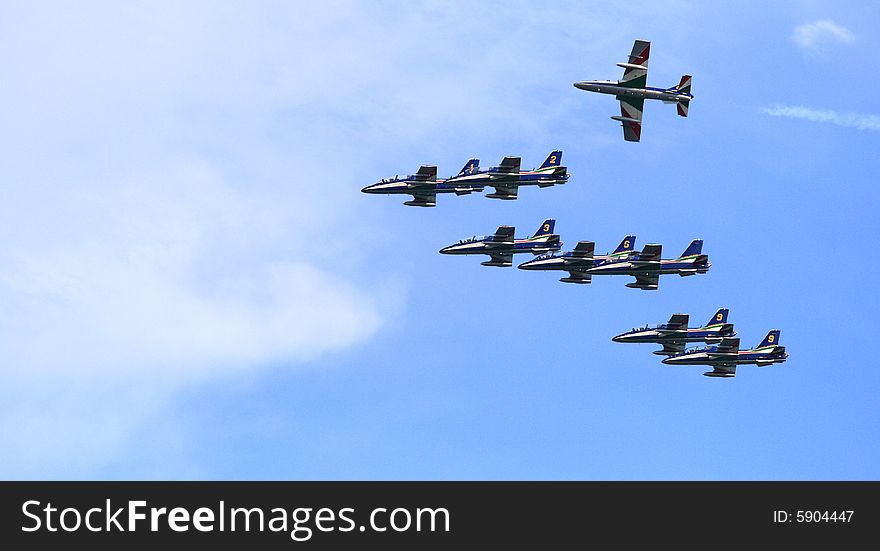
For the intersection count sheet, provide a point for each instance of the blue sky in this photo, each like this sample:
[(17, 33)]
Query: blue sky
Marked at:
[(194, 287)]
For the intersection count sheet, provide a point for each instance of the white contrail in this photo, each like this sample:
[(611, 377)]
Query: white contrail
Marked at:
[(850, 120), (811, 35)]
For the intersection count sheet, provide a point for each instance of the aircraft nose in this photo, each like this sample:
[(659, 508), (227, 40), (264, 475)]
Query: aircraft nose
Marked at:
[(618, 338), (668, 361), (446, 250), (367, 189)]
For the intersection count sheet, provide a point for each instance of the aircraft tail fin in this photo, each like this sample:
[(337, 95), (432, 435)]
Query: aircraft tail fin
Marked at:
[(772, 339), (470, 167), (546, 228), (695, 248), (719, 317), (554, 159), (627, 245), (684, 86)]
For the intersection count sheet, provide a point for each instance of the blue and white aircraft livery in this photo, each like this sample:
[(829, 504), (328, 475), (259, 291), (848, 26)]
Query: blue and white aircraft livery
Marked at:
[(632, 90), (424, 185), (507, 177), (647, 266), (675, 333), (725, 356), (503, 245), (579, 261)]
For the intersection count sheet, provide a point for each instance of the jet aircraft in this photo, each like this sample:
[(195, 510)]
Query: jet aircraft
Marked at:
[(508, 176), (632, 90), (503, 245), (647, 266), (424, 185), (725, 356), (580, 260), (674, 334)]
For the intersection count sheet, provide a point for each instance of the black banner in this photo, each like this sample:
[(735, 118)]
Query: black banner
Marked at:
[(429, 515)]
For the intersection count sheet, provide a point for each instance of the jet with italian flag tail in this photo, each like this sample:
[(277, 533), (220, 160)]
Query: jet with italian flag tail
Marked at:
[(503, 245), (579, 261), (632, 90), (424, 184), (508, 176), (725, 356), (647, 266), (675, 333)]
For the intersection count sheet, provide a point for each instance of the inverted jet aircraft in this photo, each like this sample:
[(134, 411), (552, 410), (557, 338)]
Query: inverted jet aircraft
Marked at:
[(632, 90), (424, 185), (503, 245), (674, 334), (725, 356), (647, 266), (508, 176), (580, 260)]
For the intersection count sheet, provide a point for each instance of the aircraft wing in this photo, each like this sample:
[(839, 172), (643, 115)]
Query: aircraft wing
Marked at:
[(635, 70), (422, 199), (646, 281), (427, 173), (500, 259), (631, 117), (649, 255), (509, 165), (584, 250), (670, 348), (722, 370), (678, 322), (728, 347), (504, 191), (577, 277), (504, 234)]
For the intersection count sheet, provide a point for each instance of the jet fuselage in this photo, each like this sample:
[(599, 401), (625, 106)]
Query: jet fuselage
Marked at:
[(682, 266), (649, 92), (709, 356), (569, 262), (405, 185), (548, 176), (485, 245), (661, 335)]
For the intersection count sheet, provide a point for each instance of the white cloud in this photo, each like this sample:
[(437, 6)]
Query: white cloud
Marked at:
[(156, 232), (849, 120), (817, 33), (168, 166)]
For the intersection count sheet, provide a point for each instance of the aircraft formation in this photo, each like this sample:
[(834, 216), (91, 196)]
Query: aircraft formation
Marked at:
[(722, 353), (646, 266), (506, 178)]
